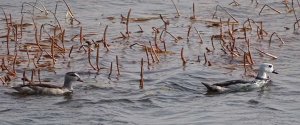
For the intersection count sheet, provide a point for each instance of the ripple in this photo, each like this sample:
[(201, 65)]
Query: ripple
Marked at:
[(115, 101), (173, 93), (253, 102), (5, 110)]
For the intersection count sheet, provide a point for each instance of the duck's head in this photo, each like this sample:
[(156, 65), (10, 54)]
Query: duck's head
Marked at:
[(72, 76), (267, 67)]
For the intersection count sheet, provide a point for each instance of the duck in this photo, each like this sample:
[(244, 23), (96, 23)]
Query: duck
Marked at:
[(261, 80), (49, 89)]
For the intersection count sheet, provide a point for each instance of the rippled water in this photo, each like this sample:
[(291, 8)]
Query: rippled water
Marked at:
[(173, 93)]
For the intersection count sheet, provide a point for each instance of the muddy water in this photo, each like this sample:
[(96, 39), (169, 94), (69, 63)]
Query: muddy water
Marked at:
[(173, 93)]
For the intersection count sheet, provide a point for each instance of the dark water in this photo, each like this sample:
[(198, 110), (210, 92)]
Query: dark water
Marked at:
[(173, 93)]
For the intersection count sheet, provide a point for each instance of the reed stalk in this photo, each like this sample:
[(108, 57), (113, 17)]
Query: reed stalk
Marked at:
[(142, 74)]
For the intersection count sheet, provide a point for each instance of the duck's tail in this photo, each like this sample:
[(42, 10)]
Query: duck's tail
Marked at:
[(208, 86)]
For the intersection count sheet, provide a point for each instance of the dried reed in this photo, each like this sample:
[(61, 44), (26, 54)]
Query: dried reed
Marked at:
[(142, 74)]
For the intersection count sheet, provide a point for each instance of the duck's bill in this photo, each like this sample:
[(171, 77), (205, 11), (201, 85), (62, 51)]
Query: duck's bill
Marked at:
[(80, 80), (275, 72)]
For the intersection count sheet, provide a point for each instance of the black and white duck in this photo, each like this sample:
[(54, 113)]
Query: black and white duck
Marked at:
[(48, 89), (242, 85)]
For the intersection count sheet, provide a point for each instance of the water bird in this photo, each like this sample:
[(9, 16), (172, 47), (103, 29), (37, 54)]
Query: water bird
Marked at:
[(242, 85), (48, 89)]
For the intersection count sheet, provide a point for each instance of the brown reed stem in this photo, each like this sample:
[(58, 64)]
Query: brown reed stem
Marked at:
[(277, 37), (142, 74), (60, 28), (14, 62), (245, 62), (71, 51), (27, 52), (178, 15), (270, 8), (235, 3), (3, 81), (154, 52), (147, 54), (3, 66), (268, 54), (111, 68), (97, 56), (256, 2), (182, 57), (104, 38), (127, 23), (5, 17), (24, 77), (141, 30), (69, 9), (258, 34), (45, 10), (221, 29), (36, 38), (123, 36), (225, 12), (72, 15), (39, 76), (52, 50), (171, 35), (194, 16), (198, 59), (209, 63), (63, 39), (294, 12), (188, 33), (201, 40), (160, 36), (261, 30), (165, 22), (16, 33), (55, 10), (205, 59), (38, 59), (32, 73), (8, 40), (165, 47), (297, 22), (212, 41), (33, 60), (152, 57), (10, 20), (89, 57), (21, 27), (249, 52), (118, 68), (155, 38), (41, 31), (81, 36)]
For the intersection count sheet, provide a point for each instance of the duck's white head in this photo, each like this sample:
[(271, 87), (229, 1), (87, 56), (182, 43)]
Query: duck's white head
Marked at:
[(71, 77), (265, 68)]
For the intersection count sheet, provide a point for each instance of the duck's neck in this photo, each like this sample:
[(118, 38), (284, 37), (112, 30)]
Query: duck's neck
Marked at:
[(68, 84), (262, 75)]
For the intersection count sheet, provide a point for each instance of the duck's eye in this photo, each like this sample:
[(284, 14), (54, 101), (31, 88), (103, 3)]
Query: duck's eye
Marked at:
[(270, 66)]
